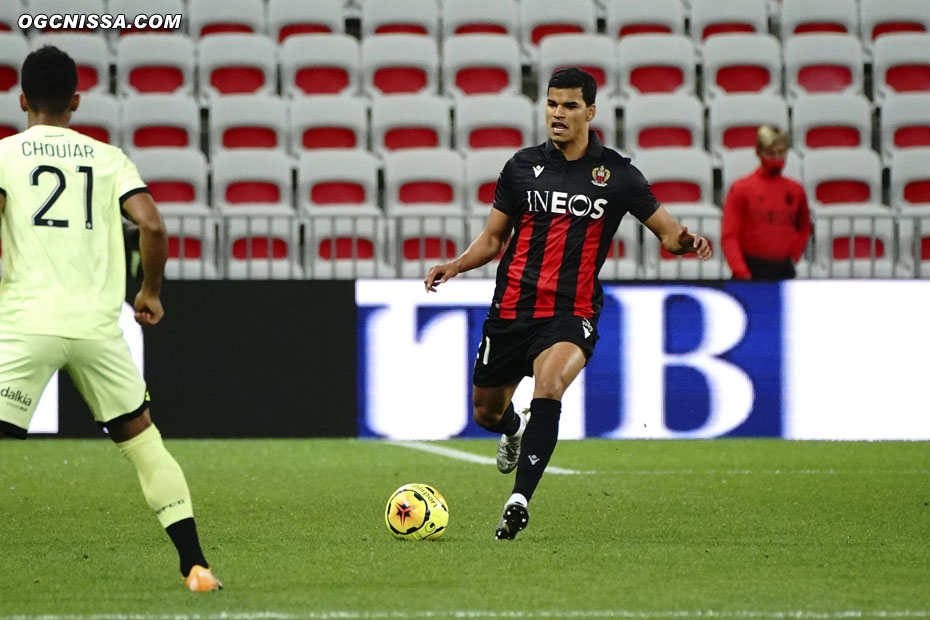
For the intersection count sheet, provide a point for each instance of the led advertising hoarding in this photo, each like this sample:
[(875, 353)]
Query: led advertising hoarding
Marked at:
[(800, 360)]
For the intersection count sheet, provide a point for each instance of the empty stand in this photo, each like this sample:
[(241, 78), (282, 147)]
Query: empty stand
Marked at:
[(98, 117), (248, 122), (901, 64), (910, 180), (854, 242), (627, 17), (176, 178), (481, 64), (712, 17), (742, 63), (346, 247), (287, 18), (480, 17), (328, 122), (321, 64), (824, 16), (652, 64), (913, 249), (424, 240), (881, 18), (132, 8), (263, 248), (155, 63), (90, 54), (206, 17), (623, 256), (154, 121), (905, 124), (659, 263), (410, 122), (663, 121), (338, 181), (733, 120), (394, 64), (13, 50), (831, 121), (192, 245), (252, 182), (482, 169), (542, 18), (10, 10), (400, 17), (494, 121), (823, 63), (76, 9), (237, 64), (424, 182), (842, 176), (12, 118), (678, 176)]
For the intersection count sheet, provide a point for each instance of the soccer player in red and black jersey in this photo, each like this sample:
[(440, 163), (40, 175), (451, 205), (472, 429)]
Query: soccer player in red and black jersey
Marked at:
[(766, 221), (563, 201)]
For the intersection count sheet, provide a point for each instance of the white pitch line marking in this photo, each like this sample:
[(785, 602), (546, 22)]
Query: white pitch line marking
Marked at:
[(461, 455)]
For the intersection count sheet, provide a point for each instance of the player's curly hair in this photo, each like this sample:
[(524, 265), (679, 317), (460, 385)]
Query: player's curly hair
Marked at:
[(49, 80), (573, 77)]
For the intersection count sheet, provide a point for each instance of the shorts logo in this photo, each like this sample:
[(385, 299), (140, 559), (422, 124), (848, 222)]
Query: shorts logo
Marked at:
[(601, 175), (586, 328)]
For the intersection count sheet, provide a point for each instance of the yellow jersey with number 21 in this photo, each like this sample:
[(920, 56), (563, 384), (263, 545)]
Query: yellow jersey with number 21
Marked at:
[(64, 270)]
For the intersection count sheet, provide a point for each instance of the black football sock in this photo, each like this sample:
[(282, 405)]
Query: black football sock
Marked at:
[(508, 424), (539, 439), (183, 534)]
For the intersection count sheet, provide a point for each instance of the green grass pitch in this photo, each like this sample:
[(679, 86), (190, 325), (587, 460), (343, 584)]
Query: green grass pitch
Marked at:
[(295, 529)]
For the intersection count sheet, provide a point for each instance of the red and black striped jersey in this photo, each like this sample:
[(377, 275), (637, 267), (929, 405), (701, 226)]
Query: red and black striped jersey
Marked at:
[(564, 214)]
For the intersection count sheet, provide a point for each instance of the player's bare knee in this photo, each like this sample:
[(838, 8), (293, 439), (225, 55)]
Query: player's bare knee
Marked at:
[(552, 388), (486, 416)]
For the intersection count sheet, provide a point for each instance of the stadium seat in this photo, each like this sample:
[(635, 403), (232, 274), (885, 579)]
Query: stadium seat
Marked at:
[(712, 17), (338, 181), (328, 122), (237, 64), (910, 180), (424, 182), (901, 65), (248, 122), (263, 247), (542, 18), (854, 242), (287, 18), (742, 63), (663, 121), (89, 52), (176, 178), (98, 117), (13, 50), (76, 9), (739, 163), (481, 64), (12, 118), (252, 182), (480, 17), (913, 251), (394, 64), (821, 17), (132, 8), (733, 120), (623, 255), (191, 247), (424, 240), (410, 122), (626, 17), (905, 124), (206, 17), (595, 53), (842, 176), (154, 121), (155, 63), (656, 63), (321, 64), (881, 18), (347, 247), (678, 176), (10, 10), (401, 17), (494, 121), (823, 63), (482, 169), (831, 121), (659, 263)]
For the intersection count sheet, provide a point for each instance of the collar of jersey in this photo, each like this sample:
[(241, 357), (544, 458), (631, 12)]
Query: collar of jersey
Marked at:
[(595, 148)]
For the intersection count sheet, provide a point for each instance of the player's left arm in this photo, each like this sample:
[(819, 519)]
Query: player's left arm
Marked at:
[(153, 248), (676, 238)]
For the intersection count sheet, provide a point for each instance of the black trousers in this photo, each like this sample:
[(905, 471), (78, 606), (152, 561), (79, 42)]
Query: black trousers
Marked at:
[(764, 269)]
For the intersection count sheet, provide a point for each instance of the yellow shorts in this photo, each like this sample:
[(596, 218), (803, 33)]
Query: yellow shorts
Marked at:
[(102, 370)]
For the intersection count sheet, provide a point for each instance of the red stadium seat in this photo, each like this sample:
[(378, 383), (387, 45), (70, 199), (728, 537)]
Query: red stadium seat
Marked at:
[(630, 17), (400, 17), (328, 122), (394, 64), (153, 121), (653, 64), (287, 18), (481, 64), (237, 64), (155, 63), (410, 122), (905, 124), (823, 63), (206, 17), (827, 121), (248, 122)]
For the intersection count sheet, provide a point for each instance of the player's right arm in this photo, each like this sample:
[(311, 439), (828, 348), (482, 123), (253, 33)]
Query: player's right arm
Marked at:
[(486, 246), (153, 249)]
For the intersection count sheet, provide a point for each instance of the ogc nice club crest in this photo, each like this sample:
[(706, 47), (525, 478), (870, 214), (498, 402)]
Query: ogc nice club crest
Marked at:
[(600, 176)]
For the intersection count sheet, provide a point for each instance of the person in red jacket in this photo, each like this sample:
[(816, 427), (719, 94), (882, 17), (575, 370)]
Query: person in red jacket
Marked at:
[(766, 221)]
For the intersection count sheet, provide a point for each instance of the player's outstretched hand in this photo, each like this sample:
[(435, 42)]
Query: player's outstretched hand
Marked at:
[(148, 309), (695, 243), (438, 275)]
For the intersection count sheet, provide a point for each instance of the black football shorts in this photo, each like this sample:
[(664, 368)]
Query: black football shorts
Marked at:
[(509, 346)]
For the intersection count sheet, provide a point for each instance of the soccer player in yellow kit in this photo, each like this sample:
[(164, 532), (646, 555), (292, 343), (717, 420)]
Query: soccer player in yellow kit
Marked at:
[(62, 196)]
